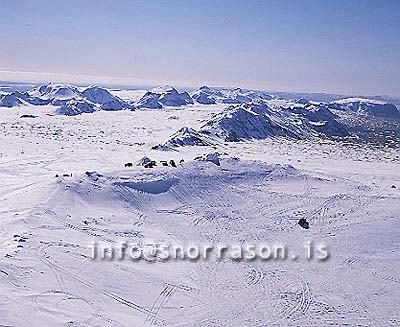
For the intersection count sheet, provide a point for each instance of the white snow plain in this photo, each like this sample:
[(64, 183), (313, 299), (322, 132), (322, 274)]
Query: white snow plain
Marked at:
[(48, 223)]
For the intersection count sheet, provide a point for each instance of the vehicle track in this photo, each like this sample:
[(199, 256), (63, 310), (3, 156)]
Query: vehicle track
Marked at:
[(160, 301), (44, 258)]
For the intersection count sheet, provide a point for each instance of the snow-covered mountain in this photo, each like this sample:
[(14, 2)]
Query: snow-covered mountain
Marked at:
[(91, 99), (203, 95), (245, 121), (317, 118), (302, 101), (256, 120), (17, 98), (104, 98), (97, 94), (238, 95), (149, 101), (10, 100), (161, 96), (208, 95), (231, 96), (56, 92), (299, 117), (367, 106), (68, 99), (75, 107)]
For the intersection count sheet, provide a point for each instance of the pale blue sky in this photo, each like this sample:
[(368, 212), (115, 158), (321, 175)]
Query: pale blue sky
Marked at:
[(332, 46)]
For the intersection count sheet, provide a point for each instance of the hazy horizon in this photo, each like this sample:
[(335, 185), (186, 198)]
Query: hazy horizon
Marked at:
[(307, 46)]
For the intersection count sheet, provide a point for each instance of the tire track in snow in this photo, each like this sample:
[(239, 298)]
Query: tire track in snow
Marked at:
[(160, 301), (84, 230), (255, 276), (43, 258)]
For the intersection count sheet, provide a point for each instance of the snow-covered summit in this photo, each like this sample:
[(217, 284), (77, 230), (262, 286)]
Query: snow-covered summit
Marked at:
[(56, 92), (205, 89), (302, 101), (104, 98), (163, 89), (210, 95), (359, 100)]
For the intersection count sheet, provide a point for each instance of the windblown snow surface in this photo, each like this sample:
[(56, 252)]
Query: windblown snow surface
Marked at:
[(346, 187)]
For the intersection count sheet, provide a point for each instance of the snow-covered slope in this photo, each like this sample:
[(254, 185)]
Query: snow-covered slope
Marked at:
[(49, 277), (149, 101), (10, 100), (97, 94), (187, 136), (203, 97), (114, 105)]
